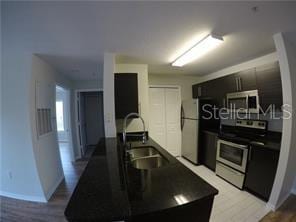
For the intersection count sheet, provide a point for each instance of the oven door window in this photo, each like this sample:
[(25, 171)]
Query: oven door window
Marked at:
[(237, 103), (252, 102), (232, 154)]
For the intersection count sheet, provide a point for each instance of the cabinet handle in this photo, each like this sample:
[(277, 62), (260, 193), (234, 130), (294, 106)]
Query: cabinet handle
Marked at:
[(240, 83), (236, 81)]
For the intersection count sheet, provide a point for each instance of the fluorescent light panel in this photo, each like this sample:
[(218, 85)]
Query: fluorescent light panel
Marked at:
[(198, 50)]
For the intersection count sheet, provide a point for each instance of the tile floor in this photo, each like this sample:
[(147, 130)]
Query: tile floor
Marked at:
[(231, 204)]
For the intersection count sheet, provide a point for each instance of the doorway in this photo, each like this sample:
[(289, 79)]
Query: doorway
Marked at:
[(63, 125), (90, 120), (164, 118)]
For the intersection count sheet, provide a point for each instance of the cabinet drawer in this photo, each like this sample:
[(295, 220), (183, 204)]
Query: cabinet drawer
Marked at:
[(234, 177)]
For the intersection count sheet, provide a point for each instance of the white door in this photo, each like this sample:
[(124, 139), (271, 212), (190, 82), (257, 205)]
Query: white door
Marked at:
[(62, 114), (157, 124), (173, 129), (164, 121)]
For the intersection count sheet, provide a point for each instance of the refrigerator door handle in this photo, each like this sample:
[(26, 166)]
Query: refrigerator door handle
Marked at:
[(182, 118)]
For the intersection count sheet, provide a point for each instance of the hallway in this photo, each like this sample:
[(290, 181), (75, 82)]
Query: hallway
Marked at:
[(13, 210)]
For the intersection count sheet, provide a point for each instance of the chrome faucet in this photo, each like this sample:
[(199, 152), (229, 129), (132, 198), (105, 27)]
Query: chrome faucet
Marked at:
[(124, 134)]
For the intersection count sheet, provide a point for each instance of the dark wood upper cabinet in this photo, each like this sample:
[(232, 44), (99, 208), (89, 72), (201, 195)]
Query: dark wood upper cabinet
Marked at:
[(215, 89), (246, 80), (266, 79), (126, 94), (269, 86)]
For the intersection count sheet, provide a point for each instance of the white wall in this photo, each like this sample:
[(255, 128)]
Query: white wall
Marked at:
[(286, 173), (88, 84), (185, 82), (0, 86), (108, 87), (143, 97), (19, 175), (46, 149)]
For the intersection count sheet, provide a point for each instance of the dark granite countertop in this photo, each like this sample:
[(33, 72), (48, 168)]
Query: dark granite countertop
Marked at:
[(111, 189)]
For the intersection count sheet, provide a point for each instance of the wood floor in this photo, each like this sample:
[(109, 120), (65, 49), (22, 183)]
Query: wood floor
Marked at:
[(286, 213), (13, 210)]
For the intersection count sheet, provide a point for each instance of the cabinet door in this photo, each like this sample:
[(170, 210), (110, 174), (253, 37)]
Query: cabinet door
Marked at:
[(269, 86), (200, 90), (126, 94), (208, 149), (261, 171), (196, 91), (246, 80), (220, 87)]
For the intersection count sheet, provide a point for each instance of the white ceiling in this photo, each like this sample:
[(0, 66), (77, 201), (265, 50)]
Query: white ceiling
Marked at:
[(73, 36)]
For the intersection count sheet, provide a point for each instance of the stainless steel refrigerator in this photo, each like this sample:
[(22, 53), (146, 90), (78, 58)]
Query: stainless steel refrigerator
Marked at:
[(190, 129)]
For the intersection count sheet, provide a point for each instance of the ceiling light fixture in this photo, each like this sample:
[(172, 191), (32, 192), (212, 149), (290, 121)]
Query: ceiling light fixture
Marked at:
[(199, 49)]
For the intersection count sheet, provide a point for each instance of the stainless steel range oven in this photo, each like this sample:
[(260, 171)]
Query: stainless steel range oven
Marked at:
[(232, 161)]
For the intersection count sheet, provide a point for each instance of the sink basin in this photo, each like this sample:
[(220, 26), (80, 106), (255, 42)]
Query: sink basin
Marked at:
[(142, 152), (146, 163)]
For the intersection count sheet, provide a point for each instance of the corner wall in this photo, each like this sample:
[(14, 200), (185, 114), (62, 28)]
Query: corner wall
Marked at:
[(108, 86), (19, 175), (286, 173)]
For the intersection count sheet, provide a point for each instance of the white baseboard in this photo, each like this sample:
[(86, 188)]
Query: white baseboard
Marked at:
[(50, 192), (275, 207), (270, 207), (23, 197)]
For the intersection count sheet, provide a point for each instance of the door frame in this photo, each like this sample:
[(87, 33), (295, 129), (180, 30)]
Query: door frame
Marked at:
[(77, 122), (167, 86), (68, 108)]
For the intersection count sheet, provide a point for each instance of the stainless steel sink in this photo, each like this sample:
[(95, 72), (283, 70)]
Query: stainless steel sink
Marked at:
[(146, 158), (142, 152), (151, 162)]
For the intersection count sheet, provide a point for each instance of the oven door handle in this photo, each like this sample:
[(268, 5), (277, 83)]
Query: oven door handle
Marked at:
[(233, 144)]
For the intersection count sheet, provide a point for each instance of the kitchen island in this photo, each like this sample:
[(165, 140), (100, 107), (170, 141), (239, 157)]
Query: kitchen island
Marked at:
[(113, 188)]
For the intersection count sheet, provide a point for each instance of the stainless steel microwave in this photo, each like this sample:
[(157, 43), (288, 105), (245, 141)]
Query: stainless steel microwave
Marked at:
[(246, 101)]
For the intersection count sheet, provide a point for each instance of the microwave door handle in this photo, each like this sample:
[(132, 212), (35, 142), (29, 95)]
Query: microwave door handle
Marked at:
[(233, 144)]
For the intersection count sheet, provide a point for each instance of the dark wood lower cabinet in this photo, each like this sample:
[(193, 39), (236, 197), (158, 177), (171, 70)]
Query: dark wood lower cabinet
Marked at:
[(262, 166), (208, 149)]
